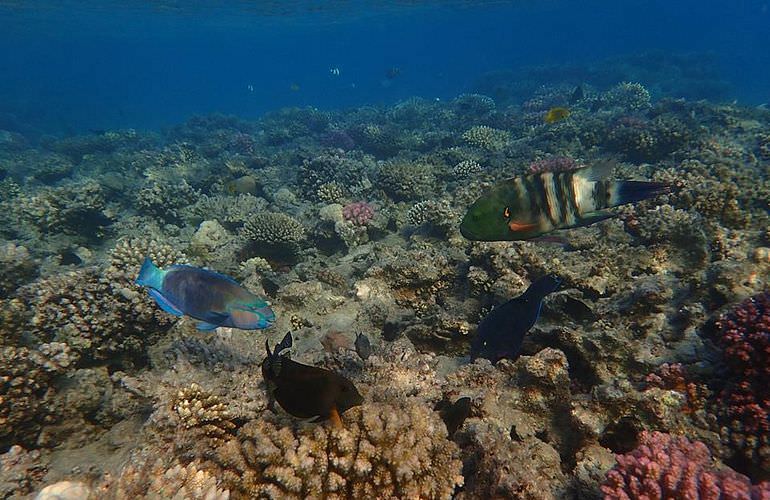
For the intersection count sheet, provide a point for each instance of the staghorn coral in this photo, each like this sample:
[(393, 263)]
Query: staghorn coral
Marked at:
[(384, 451), (665, 466), (488, 138), (743, 406)]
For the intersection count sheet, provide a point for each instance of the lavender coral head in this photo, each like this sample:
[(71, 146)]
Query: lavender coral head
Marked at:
[(666, 466), (745, 336), (359, 213)]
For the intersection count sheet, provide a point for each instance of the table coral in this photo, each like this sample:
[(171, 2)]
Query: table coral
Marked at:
[(665, 466), (385, 451)]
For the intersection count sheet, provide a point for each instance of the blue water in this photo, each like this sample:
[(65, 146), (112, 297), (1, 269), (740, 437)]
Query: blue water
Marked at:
[(70, 66)]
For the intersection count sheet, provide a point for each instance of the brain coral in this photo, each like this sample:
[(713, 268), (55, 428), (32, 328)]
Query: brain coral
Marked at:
[(384, 452), (665, 466)]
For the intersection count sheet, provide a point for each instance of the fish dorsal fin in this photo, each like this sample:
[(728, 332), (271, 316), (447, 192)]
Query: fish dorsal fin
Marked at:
[(599, 172)]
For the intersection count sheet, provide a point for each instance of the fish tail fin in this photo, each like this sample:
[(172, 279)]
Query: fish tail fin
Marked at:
[(150, 275), (623, 192)]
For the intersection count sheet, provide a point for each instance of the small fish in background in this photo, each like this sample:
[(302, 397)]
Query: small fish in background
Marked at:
[(306, 391), (363, 346), (250, 87), (294, 87), (501, 332), (526, 207), (453, 414), (577, 95), (334, 71), (556, 114), (212, 298)]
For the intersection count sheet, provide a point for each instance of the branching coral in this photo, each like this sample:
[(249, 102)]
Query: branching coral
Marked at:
[(100, 313), (744, 405), (385, 451), (196, 408), (230, 211), (273, 234), (665, 466), (488, 138), (406, 181)]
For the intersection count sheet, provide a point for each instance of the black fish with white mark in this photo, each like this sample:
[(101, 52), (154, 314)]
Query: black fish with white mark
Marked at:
[(501, 333)]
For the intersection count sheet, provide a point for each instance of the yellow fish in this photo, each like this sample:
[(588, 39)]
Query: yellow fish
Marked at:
[(556, 114)]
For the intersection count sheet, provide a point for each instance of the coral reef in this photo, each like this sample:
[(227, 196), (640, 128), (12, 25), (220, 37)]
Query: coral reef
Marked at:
[(665, 466), (487, 138), (347, 221), (384, 451), (744, 404)]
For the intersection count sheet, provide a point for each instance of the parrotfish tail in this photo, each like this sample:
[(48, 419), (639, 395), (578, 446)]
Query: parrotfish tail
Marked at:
[(150, 275), (623, 192)]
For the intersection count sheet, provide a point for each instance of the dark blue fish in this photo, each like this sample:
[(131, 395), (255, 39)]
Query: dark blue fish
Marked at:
[(213, 298), (501, 333)]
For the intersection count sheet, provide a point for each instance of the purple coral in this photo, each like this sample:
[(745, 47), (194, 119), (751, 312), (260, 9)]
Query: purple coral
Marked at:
[(553, 164), (359, 213), (666, 466), (744, 405)]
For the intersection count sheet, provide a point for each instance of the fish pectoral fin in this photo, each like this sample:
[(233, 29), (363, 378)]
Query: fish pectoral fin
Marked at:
[(521, 226), (594, 217), (206, 327), (164, 303)]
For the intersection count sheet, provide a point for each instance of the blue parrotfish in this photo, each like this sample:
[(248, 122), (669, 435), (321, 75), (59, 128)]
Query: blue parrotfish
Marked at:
[(212, 298), (501, 332), (526, 207), (306, 391)]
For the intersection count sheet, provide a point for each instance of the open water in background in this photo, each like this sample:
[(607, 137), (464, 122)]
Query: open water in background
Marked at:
[(70, 66)]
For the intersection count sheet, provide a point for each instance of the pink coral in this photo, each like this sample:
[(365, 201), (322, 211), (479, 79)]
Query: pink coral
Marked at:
[(359, 213), (745, 336), (553, 164), (666, 466), (744, 405)]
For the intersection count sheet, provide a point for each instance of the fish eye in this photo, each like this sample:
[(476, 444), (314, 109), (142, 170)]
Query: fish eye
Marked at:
[(506, 212)]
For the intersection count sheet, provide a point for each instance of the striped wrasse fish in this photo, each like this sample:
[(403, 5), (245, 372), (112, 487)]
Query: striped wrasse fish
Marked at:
[(530, 206)]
